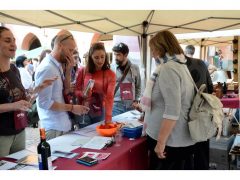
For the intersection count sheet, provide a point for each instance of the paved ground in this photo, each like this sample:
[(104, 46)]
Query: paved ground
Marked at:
[(32, 137)]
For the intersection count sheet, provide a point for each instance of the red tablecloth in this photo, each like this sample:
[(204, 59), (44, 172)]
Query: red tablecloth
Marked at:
[(130, 155), (231, 102)]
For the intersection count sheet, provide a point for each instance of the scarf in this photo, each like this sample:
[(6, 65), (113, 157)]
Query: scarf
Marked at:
[(146, 100)]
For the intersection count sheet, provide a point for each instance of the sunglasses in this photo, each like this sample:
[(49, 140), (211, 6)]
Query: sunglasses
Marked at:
[(67, 37)]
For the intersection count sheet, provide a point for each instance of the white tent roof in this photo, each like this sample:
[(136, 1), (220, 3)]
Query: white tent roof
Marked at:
[(126, 22), (210, 41)]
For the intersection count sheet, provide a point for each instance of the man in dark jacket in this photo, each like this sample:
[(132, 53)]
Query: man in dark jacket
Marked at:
[(200, 75)]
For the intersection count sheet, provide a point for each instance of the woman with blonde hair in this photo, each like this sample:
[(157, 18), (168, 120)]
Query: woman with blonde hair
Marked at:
[(166, 101)]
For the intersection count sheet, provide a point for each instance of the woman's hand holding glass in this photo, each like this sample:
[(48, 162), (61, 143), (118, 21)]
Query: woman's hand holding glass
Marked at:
[(22, 105), (85, 104), (80, 109)]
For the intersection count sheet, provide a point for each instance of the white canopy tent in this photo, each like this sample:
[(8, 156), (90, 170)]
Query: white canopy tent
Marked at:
[(142, 23), (126, 22)]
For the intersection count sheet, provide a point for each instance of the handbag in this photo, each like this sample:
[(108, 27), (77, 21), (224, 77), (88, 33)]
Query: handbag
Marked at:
[(96, 105), (96, 101), (126, 92), (20, 119), (122, 78)]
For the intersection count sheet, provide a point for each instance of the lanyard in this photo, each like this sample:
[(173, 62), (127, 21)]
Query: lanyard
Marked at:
[(59, 69)]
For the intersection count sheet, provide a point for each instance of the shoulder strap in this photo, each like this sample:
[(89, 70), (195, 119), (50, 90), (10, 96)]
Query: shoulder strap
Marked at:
[(82, 72), (122, 78), (203, 86), (189, 74)]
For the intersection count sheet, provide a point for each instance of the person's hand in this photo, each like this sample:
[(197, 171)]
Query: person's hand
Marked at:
[(86, 101), (107, 122), (22, 105), (70, 61), (44, 84), (89, 94), (159, 150), (137, 106), (134, 104), (141, 119), (79, 109)]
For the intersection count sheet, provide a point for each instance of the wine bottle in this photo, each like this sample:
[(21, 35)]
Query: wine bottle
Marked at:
[(44, 152)]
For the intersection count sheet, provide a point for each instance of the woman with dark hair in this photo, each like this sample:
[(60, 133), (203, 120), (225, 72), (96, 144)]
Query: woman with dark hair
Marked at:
[(100, 99), (26, 77), (13, 101), (166, 101)]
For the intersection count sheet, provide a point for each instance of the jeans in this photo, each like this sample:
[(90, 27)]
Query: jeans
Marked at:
[(120, 107)]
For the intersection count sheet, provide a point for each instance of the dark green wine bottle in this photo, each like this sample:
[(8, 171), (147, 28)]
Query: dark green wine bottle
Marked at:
[(44, 152)]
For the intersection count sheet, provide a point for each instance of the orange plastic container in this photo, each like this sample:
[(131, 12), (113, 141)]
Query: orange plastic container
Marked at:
[(107, 130)]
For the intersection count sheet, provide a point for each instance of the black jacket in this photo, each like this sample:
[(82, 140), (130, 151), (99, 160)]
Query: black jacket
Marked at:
[(200, 74)]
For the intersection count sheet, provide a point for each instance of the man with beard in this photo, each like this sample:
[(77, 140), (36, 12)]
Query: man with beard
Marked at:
[(128, 86), (51, 106)]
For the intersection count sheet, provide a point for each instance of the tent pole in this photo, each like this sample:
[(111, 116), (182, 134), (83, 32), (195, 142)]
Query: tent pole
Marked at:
[(236, 56), (144, 56), (144, 49), (201, 50)]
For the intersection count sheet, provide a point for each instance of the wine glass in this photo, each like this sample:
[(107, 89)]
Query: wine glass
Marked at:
[(85, 103), (32, 93), (118, 137), (82, 120)]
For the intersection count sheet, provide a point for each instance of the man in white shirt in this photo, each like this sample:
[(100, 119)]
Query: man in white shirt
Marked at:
[(51, 106)]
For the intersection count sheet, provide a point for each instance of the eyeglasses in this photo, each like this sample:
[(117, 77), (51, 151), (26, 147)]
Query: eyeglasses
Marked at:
[(67, 37)]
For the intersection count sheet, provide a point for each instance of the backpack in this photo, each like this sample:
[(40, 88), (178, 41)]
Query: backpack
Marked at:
[(205, 116)]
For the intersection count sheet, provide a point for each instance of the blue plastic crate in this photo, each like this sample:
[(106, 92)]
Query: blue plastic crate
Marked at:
[(132, 132)]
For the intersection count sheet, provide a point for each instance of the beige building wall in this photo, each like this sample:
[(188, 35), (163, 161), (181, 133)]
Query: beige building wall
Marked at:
[(45, 37)]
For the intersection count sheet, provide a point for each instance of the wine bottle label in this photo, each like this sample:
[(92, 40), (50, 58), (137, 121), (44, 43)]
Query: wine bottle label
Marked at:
[(50, 163), (40, 165)]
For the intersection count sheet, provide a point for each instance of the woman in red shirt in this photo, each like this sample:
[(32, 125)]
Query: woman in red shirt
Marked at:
[(100, 99)]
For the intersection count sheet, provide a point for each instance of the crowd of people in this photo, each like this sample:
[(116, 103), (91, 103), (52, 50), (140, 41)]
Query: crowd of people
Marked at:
[(65, 102)]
